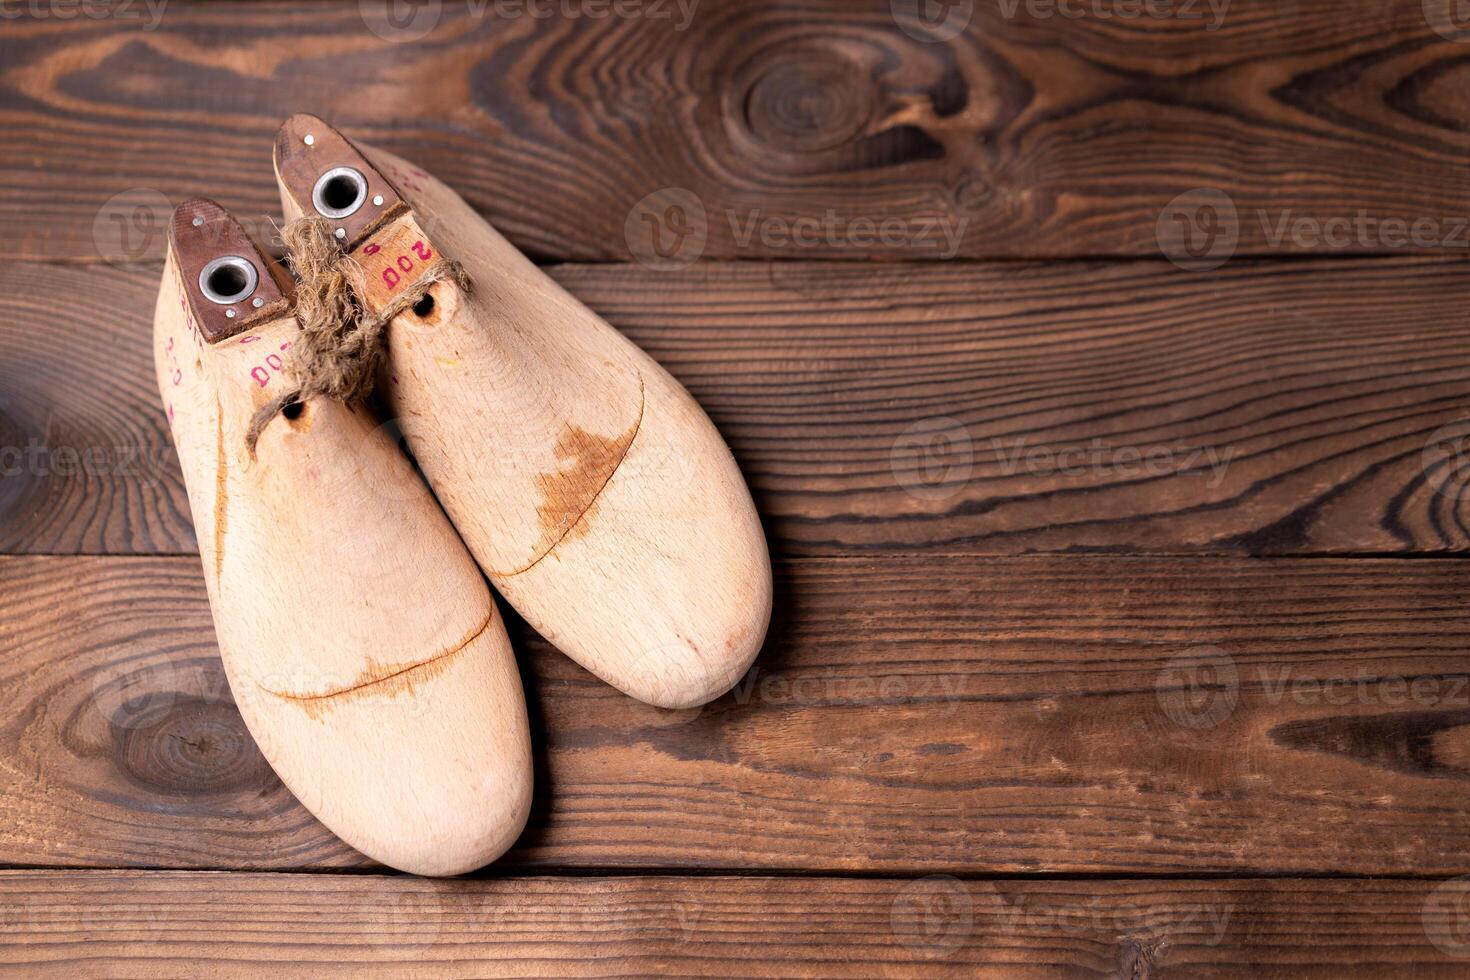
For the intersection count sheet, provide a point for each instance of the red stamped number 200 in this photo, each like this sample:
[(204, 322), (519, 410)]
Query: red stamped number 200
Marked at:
[(401, 266)]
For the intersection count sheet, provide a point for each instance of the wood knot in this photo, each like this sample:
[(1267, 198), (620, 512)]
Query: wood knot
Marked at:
[(836, 105), (189, 745), (806, 100), (808, 105)]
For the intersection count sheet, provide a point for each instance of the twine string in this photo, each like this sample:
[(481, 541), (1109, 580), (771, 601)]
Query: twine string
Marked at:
[(341, 345)]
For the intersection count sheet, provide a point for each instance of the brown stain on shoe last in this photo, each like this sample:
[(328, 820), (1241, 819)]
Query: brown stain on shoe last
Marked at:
[(569, 493)]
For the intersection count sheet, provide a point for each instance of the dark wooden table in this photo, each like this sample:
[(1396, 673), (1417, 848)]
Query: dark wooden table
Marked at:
[(1102, 372)]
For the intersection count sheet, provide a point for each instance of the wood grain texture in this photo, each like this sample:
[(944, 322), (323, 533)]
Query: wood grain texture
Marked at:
[(1029, 133), (1270, 408), (99, 924), (908, 715), (86, 463)]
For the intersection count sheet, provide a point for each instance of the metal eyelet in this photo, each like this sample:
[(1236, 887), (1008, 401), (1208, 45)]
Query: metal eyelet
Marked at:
[(331, 198), (228, 279)]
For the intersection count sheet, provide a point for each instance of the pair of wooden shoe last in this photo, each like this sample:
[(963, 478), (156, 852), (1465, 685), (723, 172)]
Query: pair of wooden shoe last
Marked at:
[(362, 644)]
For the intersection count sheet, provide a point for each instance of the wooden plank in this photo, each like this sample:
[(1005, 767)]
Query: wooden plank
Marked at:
[(820, 128), (1274, 408), (112, 923), (908, 715), (86, 462)]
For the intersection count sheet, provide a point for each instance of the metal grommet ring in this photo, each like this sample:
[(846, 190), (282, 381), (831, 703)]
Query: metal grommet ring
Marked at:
[(329, 196), (228, 279)]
